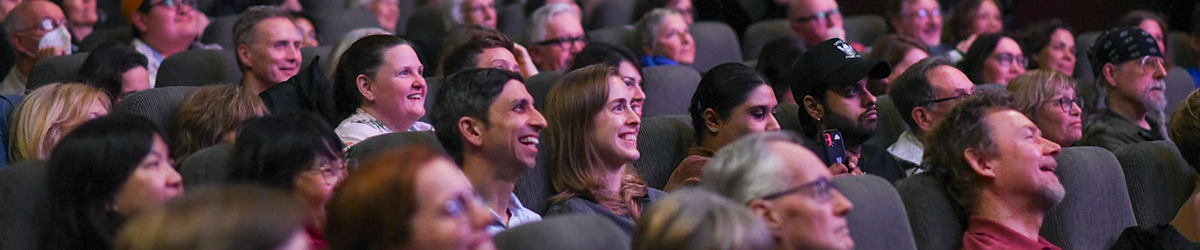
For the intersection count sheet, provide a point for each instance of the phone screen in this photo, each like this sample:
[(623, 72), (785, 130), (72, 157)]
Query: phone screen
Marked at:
[(835, 150)]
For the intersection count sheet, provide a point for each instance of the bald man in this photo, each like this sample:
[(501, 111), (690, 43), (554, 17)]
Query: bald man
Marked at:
[(26, 24)]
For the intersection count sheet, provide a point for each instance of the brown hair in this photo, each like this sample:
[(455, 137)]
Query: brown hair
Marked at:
[(963, 128), (1035, 87), (892, 48), (47, 115), (373, 207), (1184, 129), (217, 217), (209, 113), (571, 106)]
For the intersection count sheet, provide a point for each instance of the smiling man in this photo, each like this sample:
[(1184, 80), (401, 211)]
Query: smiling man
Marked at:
[(554, 35), (999, 169), (492, 132), (268, 47), (1129, 72), (919, 19), (831, 88)]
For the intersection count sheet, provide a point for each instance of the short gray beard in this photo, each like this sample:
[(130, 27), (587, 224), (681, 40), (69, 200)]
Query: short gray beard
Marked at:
[(1048, 196), (1153, 102)]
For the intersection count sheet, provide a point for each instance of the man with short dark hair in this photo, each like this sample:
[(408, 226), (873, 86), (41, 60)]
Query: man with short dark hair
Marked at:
[(268, 47), (27, 24), (998, 169), (482, 51), (1129, 70), (831, 88), (924, 94), (491, 128)]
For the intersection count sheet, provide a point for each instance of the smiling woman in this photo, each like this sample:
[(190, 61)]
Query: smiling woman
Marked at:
[(592, 140), (665, 38), (380, 90)]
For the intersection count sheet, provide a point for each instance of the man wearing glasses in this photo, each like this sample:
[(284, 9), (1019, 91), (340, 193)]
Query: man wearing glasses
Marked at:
[(787, 186), (554, 35), (924, 95), (998, 169), (814, 21), (162, 28), (1129, 81), (28, 23), (919, 19)]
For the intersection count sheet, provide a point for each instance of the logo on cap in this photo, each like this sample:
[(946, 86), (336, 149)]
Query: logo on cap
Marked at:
[(846, 48)]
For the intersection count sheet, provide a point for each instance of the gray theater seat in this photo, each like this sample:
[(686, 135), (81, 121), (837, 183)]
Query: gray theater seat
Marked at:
[(198, 68), (716, 43), (55, 70), (157, 104), (663, 142), (669, 89), (576, 231), (24, 205), (378, 144), (1158, 178), (761, 33), (1096, 208), (207, 166), (878, 220)]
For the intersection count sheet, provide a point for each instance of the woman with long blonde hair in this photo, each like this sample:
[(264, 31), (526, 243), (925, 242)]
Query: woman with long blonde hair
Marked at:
[(591, 144), (49, 113)]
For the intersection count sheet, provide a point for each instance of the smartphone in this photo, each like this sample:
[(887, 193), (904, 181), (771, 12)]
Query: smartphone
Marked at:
[(835, 149)]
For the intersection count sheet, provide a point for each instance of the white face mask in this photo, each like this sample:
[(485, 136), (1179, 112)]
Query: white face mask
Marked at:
[(59, 37)]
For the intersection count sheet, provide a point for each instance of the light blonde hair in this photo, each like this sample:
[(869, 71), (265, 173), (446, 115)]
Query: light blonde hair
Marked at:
[(695, 219), (1036, 87), (210, 113), (47, 115), (574, 160)]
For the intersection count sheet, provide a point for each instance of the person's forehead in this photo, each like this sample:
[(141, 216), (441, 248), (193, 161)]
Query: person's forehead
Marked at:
[(947, 77), (1007, 121), (513, 91), (563, 23), (913, 5), (276, 27), (812, 6), (496, 53), (801, 163), (44, 9)]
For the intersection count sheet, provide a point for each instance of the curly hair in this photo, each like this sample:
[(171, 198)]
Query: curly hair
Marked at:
[(963, 128)]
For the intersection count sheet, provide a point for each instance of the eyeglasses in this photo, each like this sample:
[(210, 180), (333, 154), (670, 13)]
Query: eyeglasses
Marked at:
[(479, 8), (1150, 64), (331, 170), (564, 42), (957, 97), (820, 16), (1065, 103), (47, 24), (1007, 59), (922, 14), (177, 4), (823, 190), (460, 205)]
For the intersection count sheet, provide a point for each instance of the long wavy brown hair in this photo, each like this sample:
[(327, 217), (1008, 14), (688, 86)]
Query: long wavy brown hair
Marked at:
[(574, 161)]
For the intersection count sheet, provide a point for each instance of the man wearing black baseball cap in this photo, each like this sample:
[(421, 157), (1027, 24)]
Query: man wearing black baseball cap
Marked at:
[(830, 83), (1129, 82)]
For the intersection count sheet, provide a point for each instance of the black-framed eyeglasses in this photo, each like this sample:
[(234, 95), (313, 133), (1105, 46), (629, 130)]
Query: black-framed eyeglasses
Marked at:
[(1065, 103), (957, 97), (820, 16), (1007, 59), (823, 190), (564, 42), (925, 13)]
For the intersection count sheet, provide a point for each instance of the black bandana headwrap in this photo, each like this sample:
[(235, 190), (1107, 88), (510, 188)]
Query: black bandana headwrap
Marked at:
[(1121, 44)]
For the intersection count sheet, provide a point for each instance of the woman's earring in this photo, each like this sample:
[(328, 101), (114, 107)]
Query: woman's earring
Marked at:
[(713, 129)]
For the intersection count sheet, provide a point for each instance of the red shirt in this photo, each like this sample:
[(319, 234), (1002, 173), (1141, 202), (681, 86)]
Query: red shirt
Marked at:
[(315, 237), (984, 233)]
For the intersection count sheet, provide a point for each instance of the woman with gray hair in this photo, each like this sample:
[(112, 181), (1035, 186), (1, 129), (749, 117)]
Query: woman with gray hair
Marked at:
[(665, 38), (695, 219), (469, 12)]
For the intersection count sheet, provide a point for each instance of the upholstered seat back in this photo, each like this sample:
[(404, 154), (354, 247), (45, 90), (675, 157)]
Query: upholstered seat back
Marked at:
[(1158, 178), (1096, 208), (878, 220)]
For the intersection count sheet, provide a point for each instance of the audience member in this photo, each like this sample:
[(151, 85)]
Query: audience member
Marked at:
[(814, 21), (555, 35), (381, 90), (595, 175), (409, 198), (308, 33), (1130, 86), (335, 53), (972, 18), (220, 217), (1153, 24), (268, 47), (164, 28), (924, 95), (618, 57), (487, 49), (1048, 98), (994, 59), (48, 114), (82, 17), (491, 130), (693, 218), (105, 173), (998, 171), (212, 115), (29, 23), (1053, 46), (732, 100), (461, 35), (898, 51), (469, 12), (920, 20), (665, 38), (386, 11), (684, 7), (115, 68), (1184, 128), (787, 186), (297, 153), (832, 91), (775, 62)]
